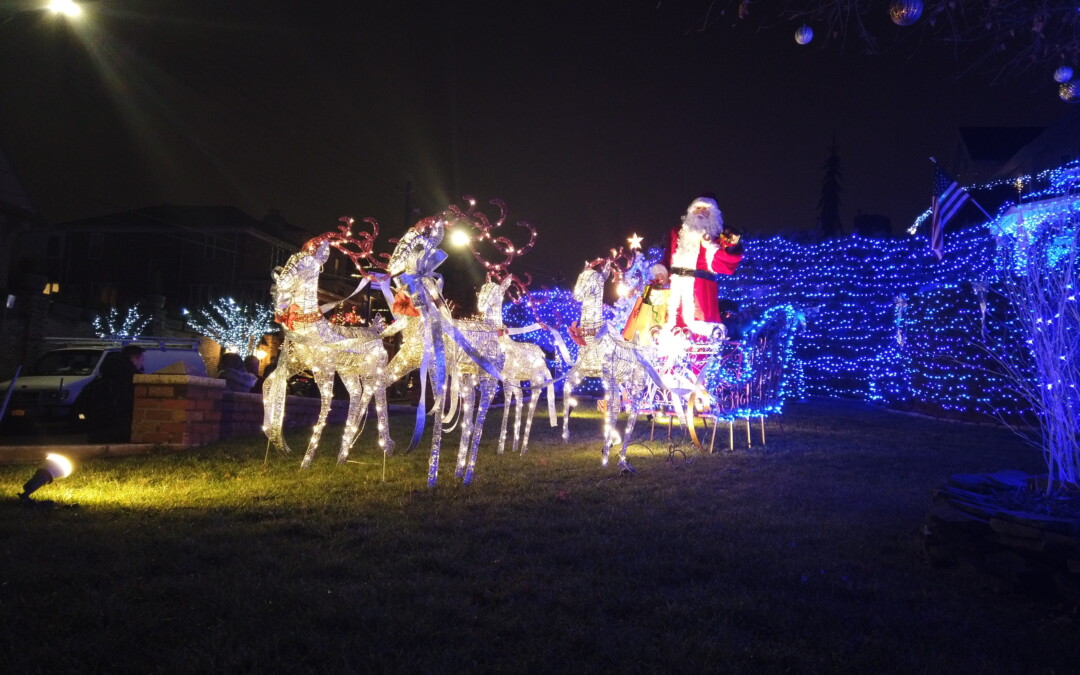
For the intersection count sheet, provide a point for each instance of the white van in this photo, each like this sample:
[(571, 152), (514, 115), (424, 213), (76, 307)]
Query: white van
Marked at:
[(49, 390)]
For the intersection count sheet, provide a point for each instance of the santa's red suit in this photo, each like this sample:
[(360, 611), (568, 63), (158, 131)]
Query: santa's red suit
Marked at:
[(696, 254)]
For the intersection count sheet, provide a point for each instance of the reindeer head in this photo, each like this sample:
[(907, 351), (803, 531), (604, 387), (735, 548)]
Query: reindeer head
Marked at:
[(417, 246), (300, 274)]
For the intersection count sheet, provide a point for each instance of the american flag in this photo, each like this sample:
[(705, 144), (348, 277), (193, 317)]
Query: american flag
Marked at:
[(947, 200)]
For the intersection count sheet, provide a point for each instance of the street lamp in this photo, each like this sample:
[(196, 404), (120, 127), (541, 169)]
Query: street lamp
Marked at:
[(66, 7)]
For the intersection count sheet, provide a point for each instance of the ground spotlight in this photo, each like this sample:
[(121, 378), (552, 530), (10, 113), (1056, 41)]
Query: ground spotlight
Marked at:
[(53, 468)]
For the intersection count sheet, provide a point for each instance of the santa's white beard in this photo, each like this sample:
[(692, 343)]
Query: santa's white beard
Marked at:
[(703, 223), (687, 248)]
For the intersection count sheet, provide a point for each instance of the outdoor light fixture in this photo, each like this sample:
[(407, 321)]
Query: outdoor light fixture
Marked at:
[(54, 467)]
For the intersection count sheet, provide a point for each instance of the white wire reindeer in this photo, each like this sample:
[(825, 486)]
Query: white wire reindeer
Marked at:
[(620, 365), (355, 354), (523, 362), (458, 358)]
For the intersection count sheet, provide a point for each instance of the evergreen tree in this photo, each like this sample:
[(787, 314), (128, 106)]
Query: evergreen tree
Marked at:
[(829, 204)]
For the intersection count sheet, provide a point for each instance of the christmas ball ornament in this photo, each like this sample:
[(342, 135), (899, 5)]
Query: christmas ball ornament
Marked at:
[(1068, 91), (804, 34), (905, 12), (1063, 74)]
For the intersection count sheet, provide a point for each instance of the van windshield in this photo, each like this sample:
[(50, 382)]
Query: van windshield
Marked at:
[(78, 362)]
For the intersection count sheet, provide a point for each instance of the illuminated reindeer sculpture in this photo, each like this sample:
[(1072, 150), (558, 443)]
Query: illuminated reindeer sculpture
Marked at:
[(603, 353), (523, 362), (457, 357), (355, 354)]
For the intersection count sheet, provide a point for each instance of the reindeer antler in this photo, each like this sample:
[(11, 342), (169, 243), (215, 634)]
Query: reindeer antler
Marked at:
[(358, 248), (483, 228), (618, 261)]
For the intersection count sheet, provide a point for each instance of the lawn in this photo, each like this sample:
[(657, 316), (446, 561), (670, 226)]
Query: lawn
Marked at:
[(803, 556)]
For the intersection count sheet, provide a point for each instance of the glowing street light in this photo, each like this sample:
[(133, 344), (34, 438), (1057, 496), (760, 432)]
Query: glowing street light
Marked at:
[(66, 7), (459, 238)]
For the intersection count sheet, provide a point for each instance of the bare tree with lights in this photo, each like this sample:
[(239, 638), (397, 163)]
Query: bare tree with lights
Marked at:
[(238, 328), (1040, 287), (110, 327), (1011, 37)]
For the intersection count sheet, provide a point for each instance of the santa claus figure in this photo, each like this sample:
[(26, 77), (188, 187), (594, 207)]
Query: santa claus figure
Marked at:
[(699, 250)]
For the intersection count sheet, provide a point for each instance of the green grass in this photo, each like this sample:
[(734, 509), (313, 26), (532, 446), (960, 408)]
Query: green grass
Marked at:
[(804, 558)]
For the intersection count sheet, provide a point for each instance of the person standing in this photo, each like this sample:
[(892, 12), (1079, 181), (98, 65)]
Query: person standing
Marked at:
[(112, 395)]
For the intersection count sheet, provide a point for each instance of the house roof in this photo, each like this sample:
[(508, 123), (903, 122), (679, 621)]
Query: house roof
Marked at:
[(194, 219), (996, 144), (1058, 143)]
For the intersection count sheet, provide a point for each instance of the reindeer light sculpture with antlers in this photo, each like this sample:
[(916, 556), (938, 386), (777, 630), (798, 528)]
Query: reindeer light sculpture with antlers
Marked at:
[(356, 354), (523, 362), (461, 356), (621, 365)]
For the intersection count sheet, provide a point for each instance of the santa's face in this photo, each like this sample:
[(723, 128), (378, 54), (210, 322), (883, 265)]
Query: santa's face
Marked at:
[(704, 217)]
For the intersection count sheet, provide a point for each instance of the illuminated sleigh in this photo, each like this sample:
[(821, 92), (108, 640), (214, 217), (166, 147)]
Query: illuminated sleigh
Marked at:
[(723, 380)]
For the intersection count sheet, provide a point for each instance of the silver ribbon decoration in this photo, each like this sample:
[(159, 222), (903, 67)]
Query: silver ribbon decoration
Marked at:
[(437, 323)]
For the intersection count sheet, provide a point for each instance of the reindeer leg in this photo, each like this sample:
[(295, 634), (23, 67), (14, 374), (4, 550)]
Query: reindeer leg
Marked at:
[(505, 417), (624, 464), (611, 416), (567, 407), (519, 403), (274, 396), (381, 414), (528, 421), (552, 415), (359, 398), (468, 392), (325, 381), (487, 392), (436, 442)]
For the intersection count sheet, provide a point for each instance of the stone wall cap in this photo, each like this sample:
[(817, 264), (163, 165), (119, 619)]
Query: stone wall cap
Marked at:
[(156, 378)]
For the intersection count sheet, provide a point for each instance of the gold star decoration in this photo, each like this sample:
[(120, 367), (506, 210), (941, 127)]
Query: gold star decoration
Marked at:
[(635, 242)]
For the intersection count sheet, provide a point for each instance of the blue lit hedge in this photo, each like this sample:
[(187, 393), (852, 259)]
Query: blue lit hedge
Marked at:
[(886, 322)]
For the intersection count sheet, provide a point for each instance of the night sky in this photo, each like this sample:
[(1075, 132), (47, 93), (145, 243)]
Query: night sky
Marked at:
[(590, 119)]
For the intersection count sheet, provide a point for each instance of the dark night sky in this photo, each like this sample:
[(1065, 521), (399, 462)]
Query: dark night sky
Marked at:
[(590, 119)]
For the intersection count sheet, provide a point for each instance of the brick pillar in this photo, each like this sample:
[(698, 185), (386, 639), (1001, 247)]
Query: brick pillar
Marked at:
[(177, 409)]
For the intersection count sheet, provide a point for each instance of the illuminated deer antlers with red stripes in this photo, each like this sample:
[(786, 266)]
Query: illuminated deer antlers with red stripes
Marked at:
[(483, 235), (617, 263), (358, 248)]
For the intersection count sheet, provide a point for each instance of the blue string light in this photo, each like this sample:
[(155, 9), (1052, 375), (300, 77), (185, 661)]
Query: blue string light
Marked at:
[(885, 321)]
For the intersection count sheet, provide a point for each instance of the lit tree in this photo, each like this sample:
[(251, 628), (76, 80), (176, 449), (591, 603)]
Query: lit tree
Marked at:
[(1011, 36), (238, 328), (829, 203), (110, 327), (1039, 282)]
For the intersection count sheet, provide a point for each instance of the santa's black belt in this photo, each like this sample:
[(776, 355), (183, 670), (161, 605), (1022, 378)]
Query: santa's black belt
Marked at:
[(700, 274)]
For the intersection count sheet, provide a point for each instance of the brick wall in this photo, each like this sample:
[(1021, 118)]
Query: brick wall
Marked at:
[(189, 411), (179, 409)]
